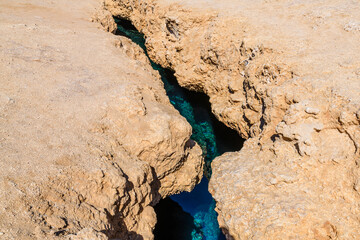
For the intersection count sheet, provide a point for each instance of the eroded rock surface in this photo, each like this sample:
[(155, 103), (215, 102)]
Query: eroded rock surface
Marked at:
[(285, 75), (89, 141)]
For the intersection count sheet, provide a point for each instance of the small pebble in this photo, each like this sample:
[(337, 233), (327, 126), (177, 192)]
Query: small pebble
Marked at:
[(311, 110), (352, 26)]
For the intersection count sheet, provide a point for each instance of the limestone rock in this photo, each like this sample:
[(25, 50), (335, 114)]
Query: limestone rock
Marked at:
[(89, 141), (105, 19), (88, 234), (285, 75), (227, 51), (302, 184)]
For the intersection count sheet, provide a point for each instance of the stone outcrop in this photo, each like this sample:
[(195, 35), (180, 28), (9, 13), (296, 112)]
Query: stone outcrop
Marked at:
[(285, 75), (89, 141)]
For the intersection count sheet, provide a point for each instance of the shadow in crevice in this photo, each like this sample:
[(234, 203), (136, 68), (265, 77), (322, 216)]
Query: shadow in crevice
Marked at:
[(117, 228), (227, 234), (173, 222)]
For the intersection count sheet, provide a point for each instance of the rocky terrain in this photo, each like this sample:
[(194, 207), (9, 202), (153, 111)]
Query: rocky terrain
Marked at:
[(89, 141), (286, 76)]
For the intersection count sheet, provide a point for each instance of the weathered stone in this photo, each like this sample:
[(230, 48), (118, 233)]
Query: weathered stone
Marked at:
[(89, 141), (287, 81)]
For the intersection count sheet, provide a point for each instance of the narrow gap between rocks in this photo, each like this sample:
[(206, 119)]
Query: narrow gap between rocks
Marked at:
[(189, 216)]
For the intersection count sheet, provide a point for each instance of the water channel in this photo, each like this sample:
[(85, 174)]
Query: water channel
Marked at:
[(189, 216)]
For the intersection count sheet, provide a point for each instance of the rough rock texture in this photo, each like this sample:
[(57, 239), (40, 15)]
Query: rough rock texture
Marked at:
[(286, 75), (89, 141)]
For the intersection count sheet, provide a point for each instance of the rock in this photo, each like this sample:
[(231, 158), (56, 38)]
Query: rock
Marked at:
[(88, 234), (213, 55), (56, 222), (352, 26), (88, 138), (290, 90), (105, 19), (93, 142)]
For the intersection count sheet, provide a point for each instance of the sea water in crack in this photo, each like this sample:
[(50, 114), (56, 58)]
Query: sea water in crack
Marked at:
[(189, 215)]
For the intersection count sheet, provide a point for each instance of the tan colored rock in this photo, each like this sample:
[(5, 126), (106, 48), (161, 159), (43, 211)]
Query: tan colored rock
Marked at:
[(89, 141), (302, 185), (285, 75), (105, 19), (88, 234), (225, 48)]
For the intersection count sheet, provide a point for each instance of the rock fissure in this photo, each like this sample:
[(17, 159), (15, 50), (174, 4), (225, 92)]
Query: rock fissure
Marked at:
[(90, 142), (196, 109), (98, 144), (277, 88)]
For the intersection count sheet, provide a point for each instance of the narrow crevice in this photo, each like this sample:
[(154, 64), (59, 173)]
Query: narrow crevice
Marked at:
[(189, 215), (178, 224)]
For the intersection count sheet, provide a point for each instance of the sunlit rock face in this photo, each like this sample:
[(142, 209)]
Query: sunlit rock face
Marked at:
[(290, 89), (89, 141), (83, 116)]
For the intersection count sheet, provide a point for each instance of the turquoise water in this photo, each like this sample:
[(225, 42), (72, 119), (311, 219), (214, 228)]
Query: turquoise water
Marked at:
[(214, 139)]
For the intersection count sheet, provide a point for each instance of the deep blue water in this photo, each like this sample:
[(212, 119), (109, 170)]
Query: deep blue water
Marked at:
[(199, 221)]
